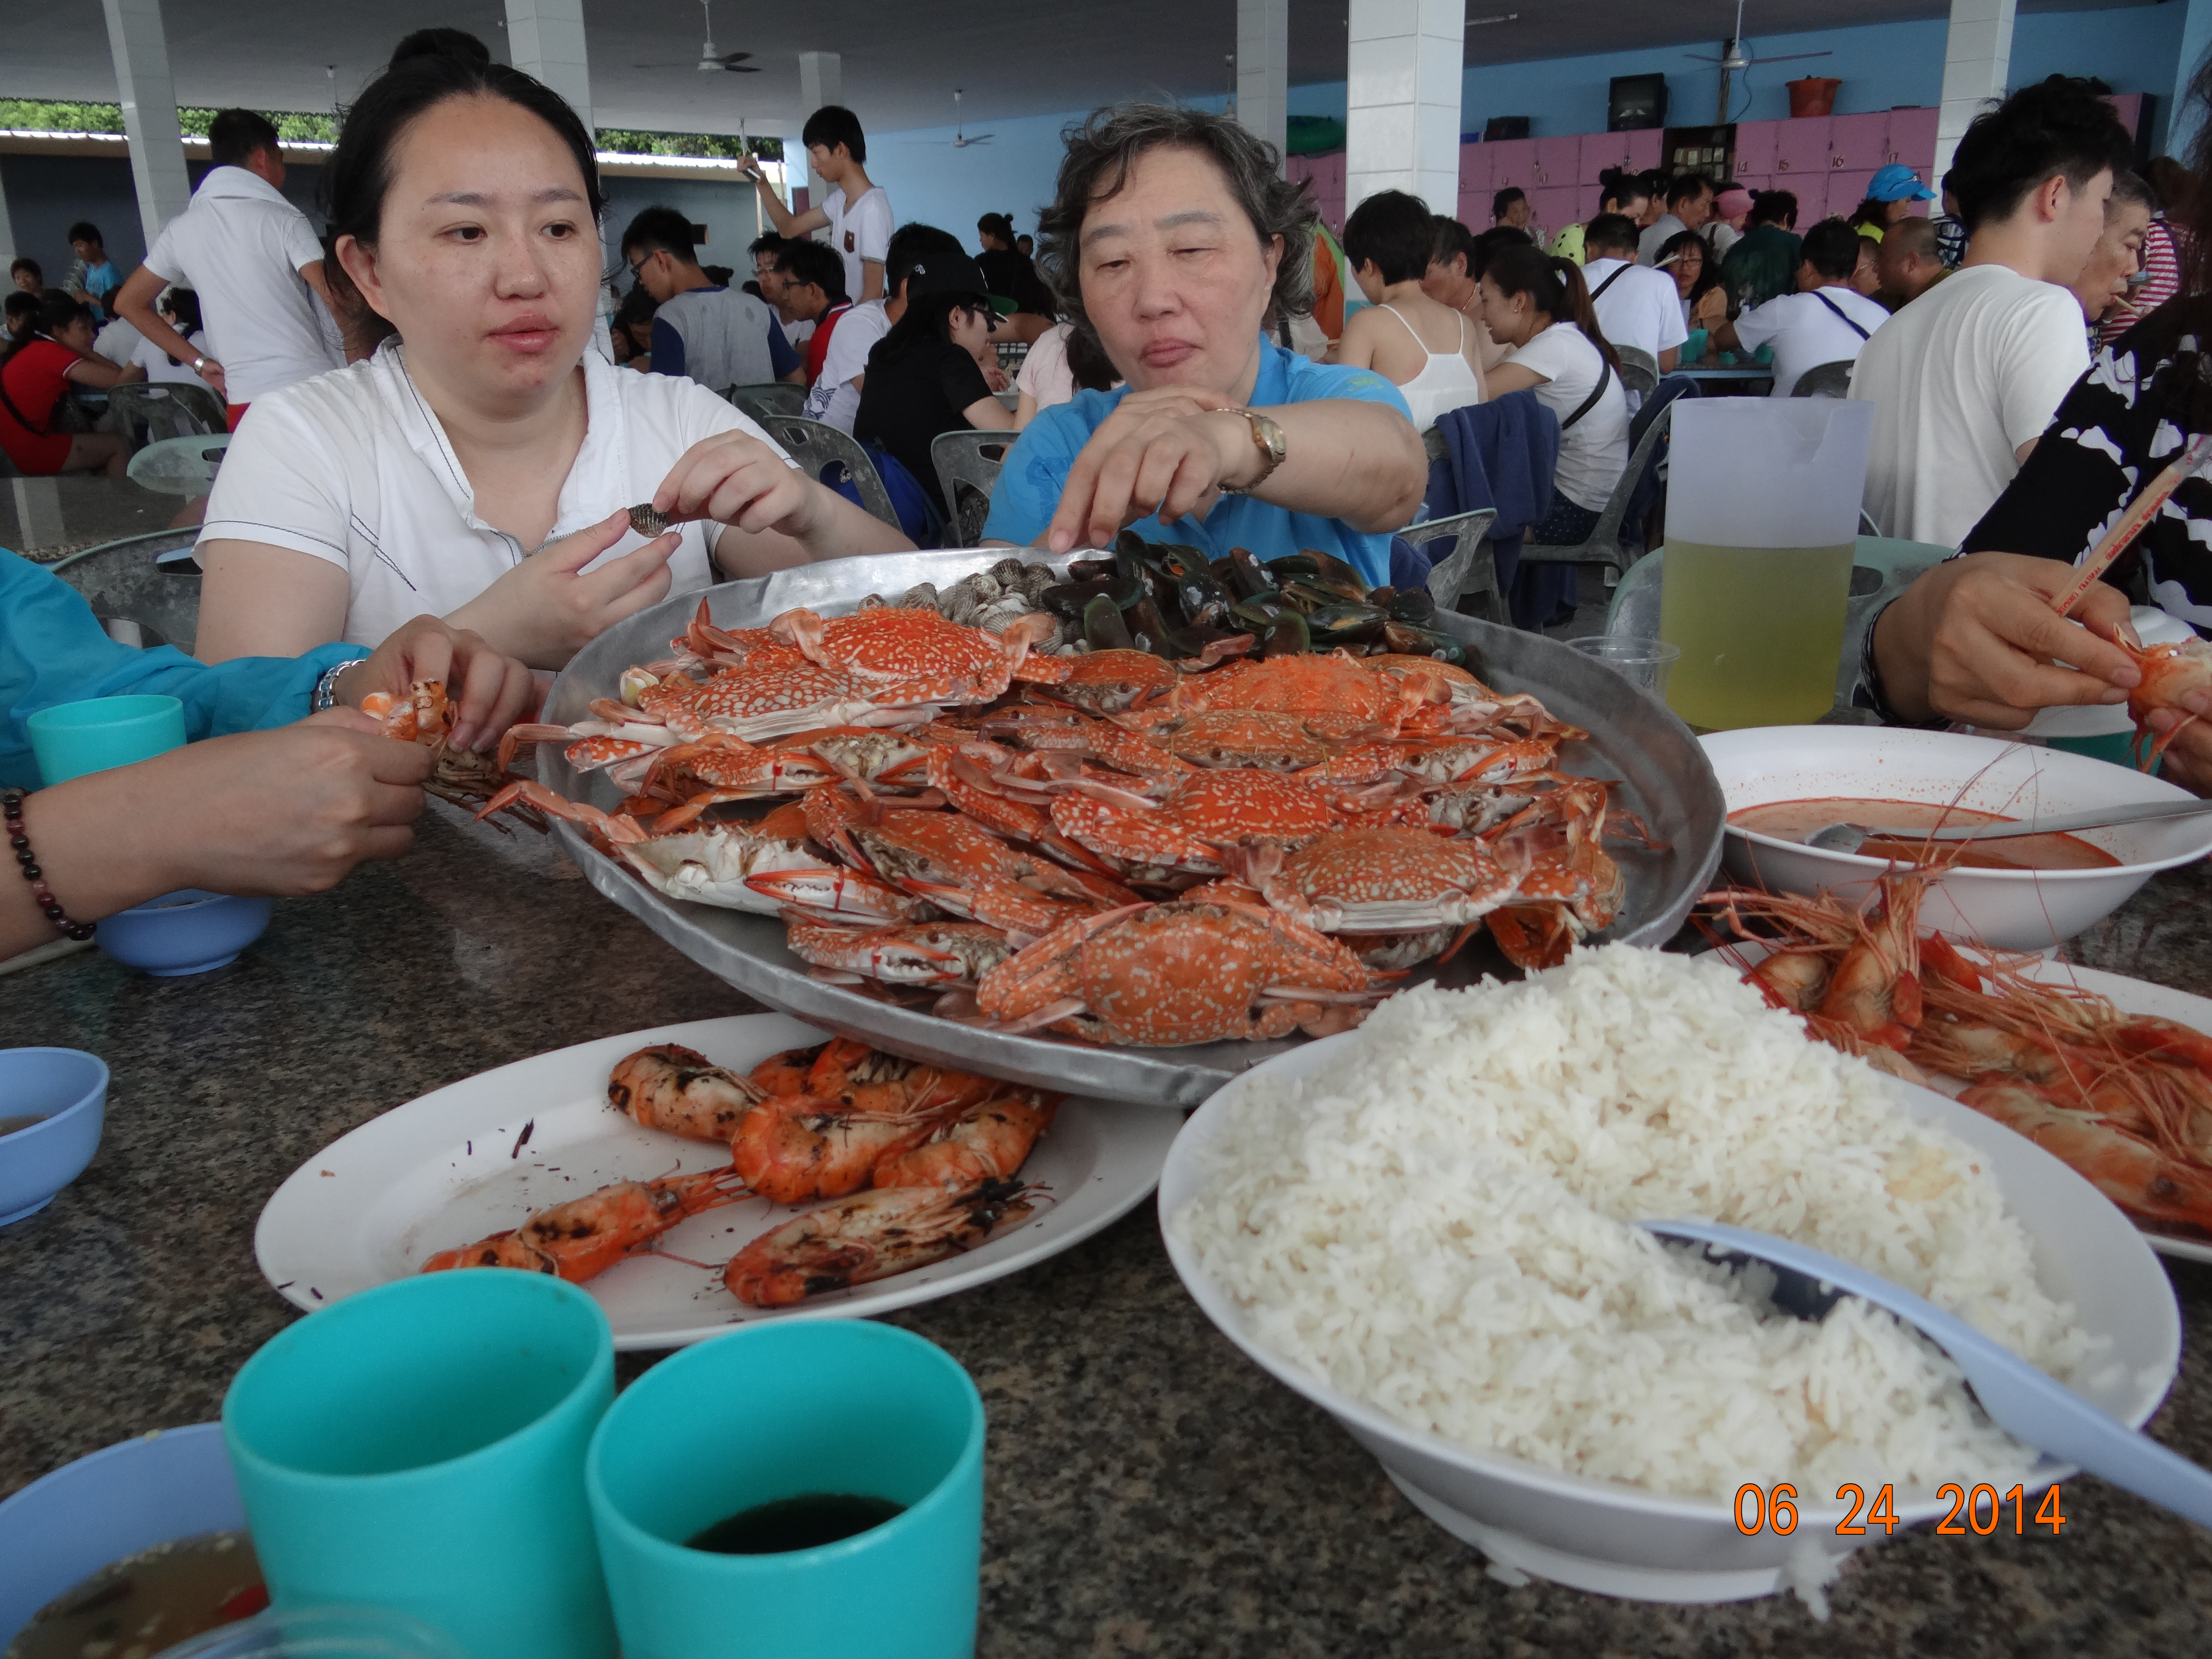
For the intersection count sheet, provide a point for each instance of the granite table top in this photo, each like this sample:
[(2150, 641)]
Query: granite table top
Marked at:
[(1150, 1492)]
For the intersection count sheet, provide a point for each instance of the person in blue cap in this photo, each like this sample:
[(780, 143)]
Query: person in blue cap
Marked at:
[(1179, 252), (282, 787), (1890, 196)]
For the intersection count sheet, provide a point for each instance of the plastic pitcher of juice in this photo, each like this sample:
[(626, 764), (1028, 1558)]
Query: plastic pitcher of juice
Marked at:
[(1762, 515)]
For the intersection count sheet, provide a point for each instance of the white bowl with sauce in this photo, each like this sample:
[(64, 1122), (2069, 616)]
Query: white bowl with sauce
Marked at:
[(1849, 767)]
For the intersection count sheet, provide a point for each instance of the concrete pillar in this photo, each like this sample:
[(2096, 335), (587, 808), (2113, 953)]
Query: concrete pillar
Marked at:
[(8, 248), (1263, 68), (821, 80), (546, 39), (2185, 119), (1977, 63), (1402, 128), (149, 111)]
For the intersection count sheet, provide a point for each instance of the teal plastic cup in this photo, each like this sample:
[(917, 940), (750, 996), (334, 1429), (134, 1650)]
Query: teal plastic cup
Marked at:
[(72, 738), (781, 1411), (419, 1448)]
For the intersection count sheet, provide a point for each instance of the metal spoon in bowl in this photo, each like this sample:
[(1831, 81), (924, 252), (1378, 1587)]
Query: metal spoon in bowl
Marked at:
[(1843, 837), (2026, 1402)]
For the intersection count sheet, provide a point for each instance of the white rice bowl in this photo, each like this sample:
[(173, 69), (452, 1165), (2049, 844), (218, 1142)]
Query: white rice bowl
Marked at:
[(1432, 1231)]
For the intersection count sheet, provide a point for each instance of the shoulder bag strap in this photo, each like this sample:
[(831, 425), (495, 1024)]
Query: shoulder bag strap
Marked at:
[(1604, 378), (1842, 315), (1626, 266)]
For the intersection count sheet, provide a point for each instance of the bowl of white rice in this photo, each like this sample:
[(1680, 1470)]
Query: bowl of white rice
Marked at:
[(1427, 1228)]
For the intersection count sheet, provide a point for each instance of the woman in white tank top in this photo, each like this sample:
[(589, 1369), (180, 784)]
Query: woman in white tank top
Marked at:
[(1388, 242)]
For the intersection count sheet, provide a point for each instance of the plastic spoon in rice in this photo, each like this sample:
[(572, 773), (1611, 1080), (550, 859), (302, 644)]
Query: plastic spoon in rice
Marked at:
[(2027, 1403), (2141, 511)]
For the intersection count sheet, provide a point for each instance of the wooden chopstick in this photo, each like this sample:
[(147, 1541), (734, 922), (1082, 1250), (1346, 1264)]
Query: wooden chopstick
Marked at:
[(2131, 523)]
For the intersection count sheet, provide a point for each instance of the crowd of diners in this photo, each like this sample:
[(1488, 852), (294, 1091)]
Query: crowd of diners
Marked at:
[(451, 499)]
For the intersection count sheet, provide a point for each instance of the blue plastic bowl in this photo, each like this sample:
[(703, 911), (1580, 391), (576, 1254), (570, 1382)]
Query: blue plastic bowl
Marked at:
[(66, 1090), (60, 1530), (187, 932)]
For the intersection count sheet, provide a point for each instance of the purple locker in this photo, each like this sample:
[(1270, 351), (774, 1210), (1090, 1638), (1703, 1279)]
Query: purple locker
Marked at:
[(1802, 146), (1474, 209), (1475, 169), (1912, 138), (1600, 150), (2127, 106), (1512, 162), (1558, 161), (1553, 209), (1858, 144), (1643, 146), (1846, 190), (1754, 149)]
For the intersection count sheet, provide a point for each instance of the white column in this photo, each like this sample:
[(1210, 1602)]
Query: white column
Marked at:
[(1977, 62), (1402, 125), (821, 80), (2186, 118), (1263, 68), (546, 38), (149, 111), (8, 249)]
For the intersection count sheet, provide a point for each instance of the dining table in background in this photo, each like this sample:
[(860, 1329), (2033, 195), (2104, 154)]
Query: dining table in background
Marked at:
[(1149, 1491), (1715, 379)]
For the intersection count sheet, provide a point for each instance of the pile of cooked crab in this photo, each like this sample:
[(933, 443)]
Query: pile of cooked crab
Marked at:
[(1114, 846)]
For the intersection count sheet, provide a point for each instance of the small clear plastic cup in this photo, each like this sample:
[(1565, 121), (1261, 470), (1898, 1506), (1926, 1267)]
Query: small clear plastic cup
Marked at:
[(320, 1633), (1644, 661)]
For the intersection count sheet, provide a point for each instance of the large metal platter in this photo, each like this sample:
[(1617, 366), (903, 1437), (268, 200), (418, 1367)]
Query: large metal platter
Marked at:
[(1662, 772)]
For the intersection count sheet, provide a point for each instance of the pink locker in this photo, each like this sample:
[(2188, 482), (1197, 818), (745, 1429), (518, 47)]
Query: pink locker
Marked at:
[(1802, 146), (1512, 162), (1299, 169), (1754, 148), (1846, 191), (1555, 208), (2127, 106), (1474, 209), (1643, 146), (1858, 144), (1558, 161), (1912, 138), (1475, 169), (1330, 188), (1600, 150)]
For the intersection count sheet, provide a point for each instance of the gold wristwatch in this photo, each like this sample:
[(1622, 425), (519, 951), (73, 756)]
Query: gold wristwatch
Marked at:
[(1268, 437)]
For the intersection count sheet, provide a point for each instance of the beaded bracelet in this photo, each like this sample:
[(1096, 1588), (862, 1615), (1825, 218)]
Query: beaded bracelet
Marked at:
[(11, 807)]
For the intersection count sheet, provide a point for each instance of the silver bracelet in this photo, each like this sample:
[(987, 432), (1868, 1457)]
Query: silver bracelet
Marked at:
[(326, 688)]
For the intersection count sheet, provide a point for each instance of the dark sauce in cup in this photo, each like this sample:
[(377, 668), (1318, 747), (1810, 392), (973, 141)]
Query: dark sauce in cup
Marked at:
[(804, 1522)]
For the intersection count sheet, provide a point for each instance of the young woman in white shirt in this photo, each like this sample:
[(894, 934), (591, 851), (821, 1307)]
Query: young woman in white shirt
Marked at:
[(1537, 304), (483, 460), (1420, 345)]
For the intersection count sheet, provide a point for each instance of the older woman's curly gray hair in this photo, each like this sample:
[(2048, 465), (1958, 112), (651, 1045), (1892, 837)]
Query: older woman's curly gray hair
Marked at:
[(1102, 150)]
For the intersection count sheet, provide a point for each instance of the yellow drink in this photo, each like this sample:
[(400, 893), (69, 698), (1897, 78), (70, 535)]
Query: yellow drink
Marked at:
[(1761, 632)]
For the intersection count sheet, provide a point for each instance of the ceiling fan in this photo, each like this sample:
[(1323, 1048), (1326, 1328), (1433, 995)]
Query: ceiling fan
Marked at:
[(1734, 59), (733, 62), (960, 139)]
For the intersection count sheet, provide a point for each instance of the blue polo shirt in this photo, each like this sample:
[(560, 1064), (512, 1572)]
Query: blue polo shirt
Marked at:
[(1029, 488)]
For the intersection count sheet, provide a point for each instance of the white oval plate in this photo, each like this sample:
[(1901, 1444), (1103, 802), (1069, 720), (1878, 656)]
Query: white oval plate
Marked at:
[(454, 1166)]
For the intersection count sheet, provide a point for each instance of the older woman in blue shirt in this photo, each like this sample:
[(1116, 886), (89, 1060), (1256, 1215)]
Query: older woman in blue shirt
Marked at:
[(1175, 245), (277, 799)]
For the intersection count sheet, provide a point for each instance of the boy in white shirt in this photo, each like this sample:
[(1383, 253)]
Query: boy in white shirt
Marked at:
[(1825, 321), (1965, 378), (857, 212)]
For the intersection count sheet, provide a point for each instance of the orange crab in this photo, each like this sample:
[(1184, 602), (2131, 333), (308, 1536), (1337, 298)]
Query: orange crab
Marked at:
[(1182, 833), (913, 655), (1380, 879), (1164, 975), (905, 953), (1108, 681), (1569, 886)]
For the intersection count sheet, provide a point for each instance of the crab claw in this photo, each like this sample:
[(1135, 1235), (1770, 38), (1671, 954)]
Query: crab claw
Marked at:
[(617, 828)]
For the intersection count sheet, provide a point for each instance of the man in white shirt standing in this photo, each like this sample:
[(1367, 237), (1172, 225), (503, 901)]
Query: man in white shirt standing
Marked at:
[(1637, 306), (856, 213), (1965, 378), (1825, 321), (256, 264)]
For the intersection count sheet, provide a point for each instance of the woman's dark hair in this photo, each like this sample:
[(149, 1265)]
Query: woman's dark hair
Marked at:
[(359, 174), (1001, 225), (1709, 273), (1395, 230), (1505, 199), (1087, 365), (1831, 247), (2172, 183), (57, 311), (910, 244), (435, 42), (25, 263), (1103, 150), (1618, 187), (834, 124), (925, 320), (1871, 211), (1487, 243), (2060, 126), (1773, 207), (1554, 286), (184, 306)]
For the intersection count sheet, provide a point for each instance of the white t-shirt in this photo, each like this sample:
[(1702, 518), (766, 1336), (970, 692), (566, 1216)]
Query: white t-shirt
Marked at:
[(1720, 236), (240, 247), (353, 468), (118, 341), (861, 231), (155, 362), (1594, 451), (1044, 373), (1959, 379), (1805, 333), (833, 398), (1640, 309)]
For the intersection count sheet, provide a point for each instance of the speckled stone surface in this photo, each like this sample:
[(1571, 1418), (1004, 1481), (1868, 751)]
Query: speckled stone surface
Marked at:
[(1150, 1492)]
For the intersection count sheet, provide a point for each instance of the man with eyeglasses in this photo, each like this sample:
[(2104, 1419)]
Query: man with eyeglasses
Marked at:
[(718, 336)]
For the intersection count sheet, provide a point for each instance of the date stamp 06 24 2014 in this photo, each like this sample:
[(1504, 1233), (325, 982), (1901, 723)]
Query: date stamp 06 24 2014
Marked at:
[(1979, 1509)]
